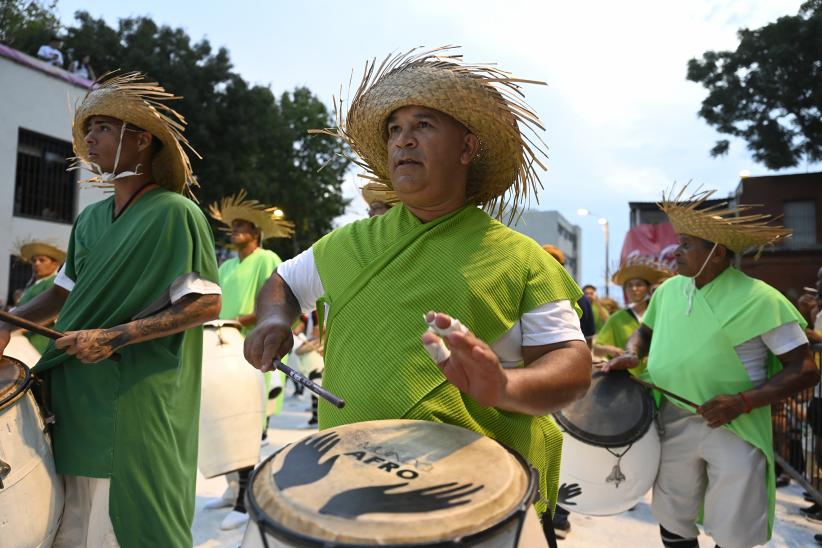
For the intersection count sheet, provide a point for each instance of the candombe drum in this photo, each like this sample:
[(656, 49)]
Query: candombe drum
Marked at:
[(31, 495), (20, 347), (611, 446), (231, 405), (393, 483)]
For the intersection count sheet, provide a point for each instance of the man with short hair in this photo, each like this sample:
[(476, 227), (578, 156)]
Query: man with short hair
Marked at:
[(732, 345), (600, 312), (446, 137), (51, 53), (140, 278)]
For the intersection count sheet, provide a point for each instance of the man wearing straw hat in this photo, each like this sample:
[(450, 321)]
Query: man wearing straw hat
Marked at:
[(140, 278), (378, 198), (45, 258), (446, 137), (636, 275), (733, 345), (241, 278)]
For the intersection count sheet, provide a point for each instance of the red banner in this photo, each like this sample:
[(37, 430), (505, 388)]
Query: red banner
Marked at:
[(658, 241)]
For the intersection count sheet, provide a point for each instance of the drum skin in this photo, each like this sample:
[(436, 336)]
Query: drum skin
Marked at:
[(392, 483), (20, 347), (231, 406), (589, 467), (31, 501)]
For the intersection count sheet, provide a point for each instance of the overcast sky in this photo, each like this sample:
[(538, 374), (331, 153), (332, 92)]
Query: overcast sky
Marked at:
[(620, 116)]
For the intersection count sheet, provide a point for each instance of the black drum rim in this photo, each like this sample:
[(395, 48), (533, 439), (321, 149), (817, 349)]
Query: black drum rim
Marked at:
[(20, 392), (267, 525), (623, 439)]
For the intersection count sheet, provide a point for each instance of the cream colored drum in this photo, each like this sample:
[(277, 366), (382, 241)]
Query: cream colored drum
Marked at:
[(31, 494), (393, 483), (20, 347), (232, 403)]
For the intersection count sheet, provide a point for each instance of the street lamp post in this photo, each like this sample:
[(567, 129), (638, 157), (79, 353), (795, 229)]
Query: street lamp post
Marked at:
[(603, 222)]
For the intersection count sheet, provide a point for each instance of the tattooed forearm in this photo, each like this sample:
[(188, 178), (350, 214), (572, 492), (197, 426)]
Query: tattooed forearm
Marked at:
[(276, 299), (188, 312)]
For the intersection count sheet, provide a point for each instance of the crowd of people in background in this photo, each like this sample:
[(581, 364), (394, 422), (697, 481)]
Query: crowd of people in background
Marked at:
[(52, 54)]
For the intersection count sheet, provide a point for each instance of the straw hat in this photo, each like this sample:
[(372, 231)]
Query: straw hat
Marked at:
[(644, 268), (128, 97), (485, 99), (31, 248), (718, 223), (378, 192), (268, 219), (556, 252)]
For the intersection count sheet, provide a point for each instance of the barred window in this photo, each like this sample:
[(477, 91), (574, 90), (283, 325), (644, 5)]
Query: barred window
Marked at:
[(801, 217), (43, 189), (20, 273)]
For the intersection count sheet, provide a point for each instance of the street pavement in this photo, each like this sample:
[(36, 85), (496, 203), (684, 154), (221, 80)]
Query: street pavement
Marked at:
[(634, 529)]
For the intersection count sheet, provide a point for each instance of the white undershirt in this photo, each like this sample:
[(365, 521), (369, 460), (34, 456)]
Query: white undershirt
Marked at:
[(547, 324), (183, 285), (754, 353)]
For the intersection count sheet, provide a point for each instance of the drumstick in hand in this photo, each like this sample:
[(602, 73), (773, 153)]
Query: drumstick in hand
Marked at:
[(298, 377)]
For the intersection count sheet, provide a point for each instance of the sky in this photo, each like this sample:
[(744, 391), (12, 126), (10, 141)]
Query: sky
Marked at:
[(620, 117)]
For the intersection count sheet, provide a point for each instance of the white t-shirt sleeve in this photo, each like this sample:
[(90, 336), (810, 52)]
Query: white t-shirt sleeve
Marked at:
[(62, 280), (303, 278), (784, 338), (189, 283), (551, 323)]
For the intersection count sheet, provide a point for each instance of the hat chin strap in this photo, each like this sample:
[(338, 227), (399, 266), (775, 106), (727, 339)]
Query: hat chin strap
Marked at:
[(105, 177), (691, 290)]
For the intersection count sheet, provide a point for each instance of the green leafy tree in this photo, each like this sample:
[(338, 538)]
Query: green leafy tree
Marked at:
[(27, 25), (247, 138), (769, 91)]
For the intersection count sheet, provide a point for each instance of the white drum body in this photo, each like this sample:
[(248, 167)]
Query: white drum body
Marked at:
[(31, 500), (232, 403), (607, 490), (20, 348)]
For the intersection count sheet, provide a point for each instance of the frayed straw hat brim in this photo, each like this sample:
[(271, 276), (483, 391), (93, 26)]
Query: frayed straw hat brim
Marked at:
[(720, 224), (483, 98), (131, 99), (263, 217), (378, 192)]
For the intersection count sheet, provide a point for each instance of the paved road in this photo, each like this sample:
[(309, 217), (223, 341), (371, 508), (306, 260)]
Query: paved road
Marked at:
[(634, 529)]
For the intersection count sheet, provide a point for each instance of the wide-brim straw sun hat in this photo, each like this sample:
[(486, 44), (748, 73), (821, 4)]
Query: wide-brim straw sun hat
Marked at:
[(378, 192), (131, 99), (555, 252), (644, 268), (719, 223), (29, 249), (488, 101), (269, 219)]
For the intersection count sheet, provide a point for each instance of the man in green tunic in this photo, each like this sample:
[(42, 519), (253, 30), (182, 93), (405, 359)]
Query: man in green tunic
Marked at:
[(139, 279), (45, 259), (734, 346), (241, 278), (446, 137), (636, 275)]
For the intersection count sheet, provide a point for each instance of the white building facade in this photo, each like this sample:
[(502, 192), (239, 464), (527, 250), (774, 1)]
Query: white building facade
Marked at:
[(38, 198), (550, 227)]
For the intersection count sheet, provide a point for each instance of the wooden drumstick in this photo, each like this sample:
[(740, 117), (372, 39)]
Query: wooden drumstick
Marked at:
[(666, 392), (39, 329), (298, 377)]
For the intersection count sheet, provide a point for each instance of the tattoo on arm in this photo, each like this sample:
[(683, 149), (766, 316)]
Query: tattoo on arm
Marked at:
[(188, 312), (276, 298)]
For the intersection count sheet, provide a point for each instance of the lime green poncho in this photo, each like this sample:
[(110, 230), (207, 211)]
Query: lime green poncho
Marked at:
[(134, 420), (381, 275), (692, 354), (37, 341)]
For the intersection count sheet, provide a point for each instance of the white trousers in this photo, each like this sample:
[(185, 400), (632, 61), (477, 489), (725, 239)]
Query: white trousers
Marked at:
[(86, 522), (699, 462)]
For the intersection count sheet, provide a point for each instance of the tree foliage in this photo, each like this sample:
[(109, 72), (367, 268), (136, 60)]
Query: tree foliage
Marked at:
[(27, 25), (248, 137), (769, 91)]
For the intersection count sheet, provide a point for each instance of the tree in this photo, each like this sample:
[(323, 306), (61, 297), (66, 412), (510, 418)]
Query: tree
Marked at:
[(247, 138), (769, 91), (27, 25)]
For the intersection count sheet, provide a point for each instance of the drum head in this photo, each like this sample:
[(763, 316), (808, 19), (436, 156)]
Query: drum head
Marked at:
[(393, 482), (15, 378), (615, 412)]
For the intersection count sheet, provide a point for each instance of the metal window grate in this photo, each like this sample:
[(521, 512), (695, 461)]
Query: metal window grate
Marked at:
[(43, 189), (19, 276)]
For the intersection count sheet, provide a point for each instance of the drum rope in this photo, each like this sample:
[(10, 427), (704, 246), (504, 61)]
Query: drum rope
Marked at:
[(616, 476)]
